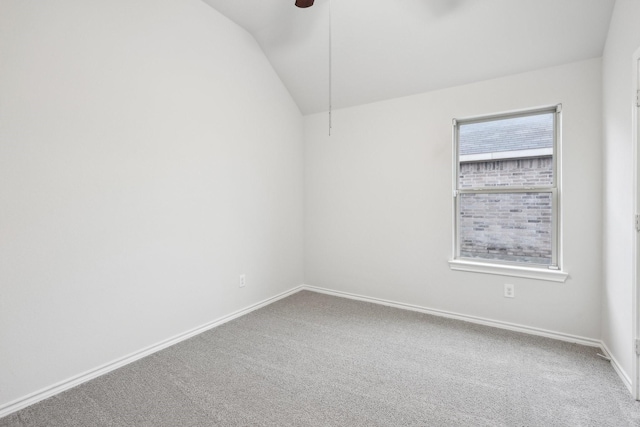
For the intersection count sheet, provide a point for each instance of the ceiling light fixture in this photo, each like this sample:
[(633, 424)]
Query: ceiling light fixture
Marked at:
[(304, 3)]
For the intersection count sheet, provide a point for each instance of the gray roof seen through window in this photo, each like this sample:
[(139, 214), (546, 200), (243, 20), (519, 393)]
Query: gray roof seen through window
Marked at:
[(511, 134)]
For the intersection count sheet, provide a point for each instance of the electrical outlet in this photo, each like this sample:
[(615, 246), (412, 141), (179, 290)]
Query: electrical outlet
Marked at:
[(509, 291), (243, 280)]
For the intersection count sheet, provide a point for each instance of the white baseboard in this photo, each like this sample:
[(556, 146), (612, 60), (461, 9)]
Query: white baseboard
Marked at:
[(61, 386), (54, 389), (487, 322), (473, 319), (626, 380), (616, 367)]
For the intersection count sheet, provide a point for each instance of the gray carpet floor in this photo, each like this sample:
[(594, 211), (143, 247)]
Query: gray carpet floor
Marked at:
[(318, 360)]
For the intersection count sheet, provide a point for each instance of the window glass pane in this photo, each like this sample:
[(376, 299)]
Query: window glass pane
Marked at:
[(506, 227), (515, 152)]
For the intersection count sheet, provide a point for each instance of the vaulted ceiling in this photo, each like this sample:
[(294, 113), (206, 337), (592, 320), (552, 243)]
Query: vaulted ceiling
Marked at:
[(385, 49)]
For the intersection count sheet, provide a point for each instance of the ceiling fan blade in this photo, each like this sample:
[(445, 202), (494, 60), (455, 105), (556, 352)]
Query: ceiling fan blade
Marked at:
[(304, 3)]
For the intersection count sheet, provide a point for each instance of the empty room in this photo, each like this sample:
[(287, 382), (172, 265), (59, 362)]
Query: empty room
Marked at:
[(319, 213)]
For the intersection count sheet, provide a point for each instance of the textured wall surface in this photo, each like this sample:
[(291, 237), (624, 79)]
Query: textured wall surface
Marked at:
[(379, 201), (149, 155), (619, 93)]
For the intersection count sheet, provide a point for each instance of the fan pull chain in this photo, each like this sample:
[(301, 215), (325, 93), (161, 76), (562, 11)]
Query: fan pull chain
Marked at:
[(330, 68)]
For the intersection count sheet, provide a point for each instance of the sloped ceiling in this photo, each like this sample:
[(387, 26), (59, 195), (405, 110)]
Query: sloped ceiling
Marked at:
[(385, 49)]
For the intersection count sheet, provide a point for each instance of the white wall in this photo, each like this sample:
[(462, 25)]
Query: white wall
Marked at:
[(378, 201), (618, 88), (148, 155)]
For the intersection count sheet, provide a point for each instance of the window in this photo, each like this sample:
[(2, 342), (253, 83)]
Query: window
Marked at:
[(506, 194)]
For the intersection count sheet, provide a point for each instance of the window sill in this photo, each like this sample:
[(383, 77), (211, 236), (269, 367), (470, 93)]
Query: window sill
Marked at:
[(509, 270)]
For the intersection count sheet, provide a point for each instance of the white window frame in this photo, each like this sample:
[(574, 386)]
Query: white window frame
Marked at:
[(551, 272)]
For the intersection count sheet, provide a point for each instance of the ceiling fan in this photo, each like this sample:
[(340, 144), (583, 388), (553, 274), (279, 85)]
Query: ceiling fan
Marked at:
[(304, 3)]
